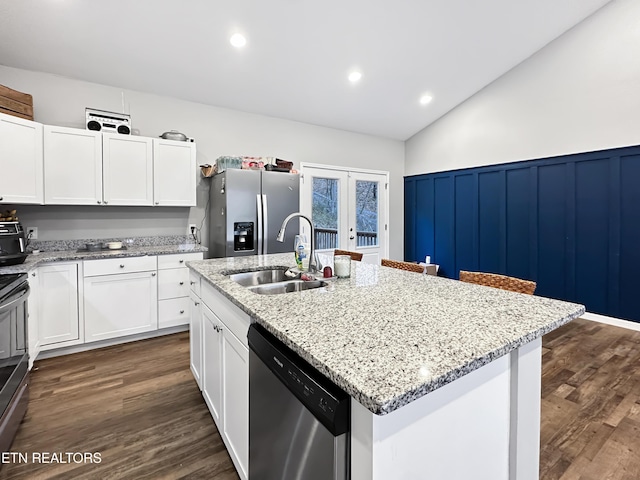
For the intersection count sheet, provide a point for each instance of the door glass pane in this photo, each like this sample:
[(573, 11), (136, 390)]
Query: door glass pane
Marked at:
[(366, 213), (324, 212)]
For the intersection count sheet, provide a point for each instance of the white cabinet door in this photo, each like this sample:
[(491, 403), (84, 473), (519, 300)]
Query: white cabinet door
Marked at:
[(212, 363), (235, 388), (20, 160), (34, 317), (72, 166), (127, 163), (58, 305), (119, 305), (174, 173), (195, 338)]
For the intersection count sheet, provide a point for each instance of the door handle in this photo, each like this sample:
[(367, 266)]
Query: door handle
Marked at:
[(351, 237)]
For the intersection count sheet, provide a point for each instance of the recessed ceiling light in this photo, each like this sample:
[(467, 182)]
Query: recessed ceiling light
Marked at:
[(424, 99), (355, 76), (238, 40)]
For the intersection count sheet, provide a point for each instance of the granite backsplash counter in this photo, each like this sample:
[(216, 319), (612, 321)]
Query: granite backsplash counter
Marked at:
[(386, 336), (69, 250)]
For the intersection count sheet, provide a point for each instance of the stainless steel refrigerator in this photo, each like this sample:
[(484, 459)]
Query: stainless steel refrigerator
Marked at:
[(247, 209)]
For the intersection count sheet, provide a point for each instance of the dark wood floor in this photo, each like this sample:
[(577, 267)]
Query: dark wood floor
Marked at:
[(590, 403), (136, 404), (139, 407)]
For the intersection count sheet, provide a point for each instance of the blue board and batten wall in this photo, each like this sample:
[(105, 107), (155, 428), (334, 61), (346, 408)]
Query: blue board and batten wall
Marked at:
[(570, 223)]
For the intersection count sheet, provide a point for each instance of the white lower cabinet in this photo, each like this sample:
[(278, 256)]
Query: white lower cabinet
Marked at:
[(235, 398), (58, 310), (225, 371), (173, 289), (195, 338), (212, 363), (34, 317), (119, 304)]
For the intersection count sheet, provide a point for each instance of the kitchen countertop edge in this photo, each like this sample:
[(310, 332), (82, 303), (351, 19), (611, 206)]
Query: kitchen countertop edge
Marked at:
[(217, 277), (33, 260)]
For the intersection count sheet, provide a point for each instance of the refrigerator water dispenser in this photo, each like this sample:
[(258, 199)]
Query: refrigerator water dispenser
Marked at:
[(242, 236)]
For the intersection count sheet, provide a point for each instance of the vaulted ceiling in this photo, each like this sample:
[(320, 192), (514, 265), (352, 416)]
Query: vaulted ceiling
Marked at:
[(298, 53)]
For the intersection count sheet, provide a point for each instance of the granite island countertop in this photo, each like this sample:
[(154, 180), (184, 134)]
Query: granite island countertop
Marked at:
[(35, 259), (386, 336)]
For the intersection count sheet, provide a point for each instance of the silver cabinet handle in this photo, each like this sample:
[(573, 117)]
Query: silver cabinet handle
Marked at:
[(181, 261), (121, 265), (1, 198), (99, 202), (153, 274), (196, 303), (105, 202), (33, 274), (181, 312), (157, 203), (181, 283), (192, 283)]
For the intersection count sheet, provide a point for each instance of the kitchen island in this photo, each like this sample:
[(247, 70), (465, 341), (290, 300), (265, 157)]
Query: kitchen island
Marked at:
[(444, 376)]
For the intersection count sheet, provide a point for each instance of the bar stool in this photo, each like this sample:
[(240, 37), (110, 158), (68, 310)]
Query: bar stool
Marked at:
[(409, 267), (502, 282)]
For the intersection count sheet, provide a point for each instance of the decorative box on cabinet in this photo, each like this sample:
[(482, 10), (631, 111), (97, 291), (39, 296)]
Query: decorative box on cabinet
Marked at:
[(120, 297), (173, 289), (20, 161)]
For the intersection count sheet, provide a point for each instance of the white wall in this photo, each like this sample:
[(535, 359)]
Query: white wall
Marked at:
[(218, 131), (580, 93)]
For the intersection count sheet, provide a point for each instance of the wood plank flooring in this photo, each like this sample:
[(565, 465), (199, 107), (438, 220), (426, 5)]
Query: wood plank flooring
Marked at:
[(139, 407), (590, 403), (136, 404)]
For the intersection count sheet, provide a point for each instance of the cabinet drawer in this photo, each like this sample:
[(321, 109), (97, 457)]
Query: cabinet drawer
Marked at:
[(173, 312), (173, 283), (177, 260), (194, 282), (234, 319), (112, 266)]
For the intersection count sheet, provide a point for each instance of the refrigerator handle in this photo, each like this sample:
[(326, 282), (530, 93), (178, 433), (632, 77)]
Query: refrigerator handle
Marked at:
[(260, 222), (265, 225)]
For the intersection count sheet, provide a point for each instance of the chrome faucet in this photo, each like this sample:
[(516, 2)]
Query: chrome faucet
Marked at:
[(280, 238)]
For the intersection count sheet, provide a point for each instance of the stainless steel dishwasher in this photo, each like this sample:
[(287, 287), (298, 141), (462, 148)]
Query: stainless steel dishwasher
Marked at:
[(298, 419)]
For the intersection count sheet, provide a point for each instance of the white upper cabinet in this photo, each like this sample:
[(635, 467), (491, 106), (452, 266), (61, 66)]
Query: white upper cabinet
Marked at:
[(174, 173), (20, 161), (127, 169), (83, 167), (72, 166)]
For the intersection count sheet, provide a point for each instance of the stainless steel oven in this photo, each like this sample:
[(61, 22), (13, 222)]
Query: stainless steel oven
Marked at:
[(14, 355)]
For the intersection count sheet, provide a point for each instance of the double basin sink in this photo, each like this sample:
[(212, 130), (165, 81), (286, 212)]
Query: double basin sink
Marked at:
[(274, 281)]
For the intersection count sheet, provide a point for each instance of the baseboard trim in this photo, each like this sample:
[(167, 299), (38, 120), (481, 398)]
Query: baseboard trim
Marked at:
[(618, 322), (112, 341)]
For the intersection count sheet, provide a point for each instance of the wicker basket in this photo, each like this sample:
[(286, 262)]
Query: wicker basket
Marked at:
[(499, 281), (354, 255), (409, 267)]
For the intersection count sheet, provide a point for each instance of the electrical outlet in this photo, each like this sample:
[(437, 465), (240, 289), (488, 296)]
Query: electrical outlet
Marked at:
[(31, 233), (191, 230)]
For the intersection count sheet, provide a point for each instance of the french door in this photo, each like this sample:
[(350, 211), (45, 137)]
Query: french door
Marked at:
[(349, 209)]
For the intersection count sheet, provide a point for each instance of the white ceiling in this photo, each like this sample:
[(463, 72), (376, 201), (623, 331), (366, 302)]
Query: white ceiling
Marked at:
[(298, 54)]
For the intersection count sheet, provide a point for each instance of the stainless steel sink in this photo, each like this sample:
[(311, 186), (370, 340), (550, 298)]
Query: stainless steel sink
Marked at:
[(273, 282), (260, 277), (287, 287)]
